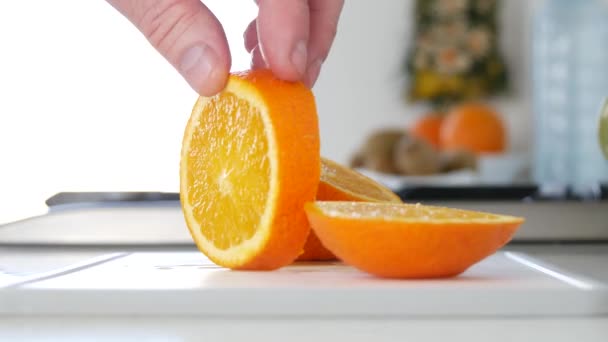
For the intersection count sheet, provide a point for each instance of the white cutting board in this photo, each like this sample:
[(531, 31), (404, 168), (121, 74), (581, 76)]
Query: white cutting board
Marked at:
[(161, 283)]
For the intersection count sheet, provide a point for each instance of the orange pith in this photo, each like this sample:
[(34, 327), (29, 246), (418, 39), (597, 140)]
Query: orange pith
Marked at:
[(250, 160), (408, 240), (340, 183)]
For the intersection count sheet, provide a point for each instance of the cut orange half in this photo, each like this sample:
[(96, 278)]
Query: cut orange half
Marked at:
[(249, 162), (340, 183), (409, 240)]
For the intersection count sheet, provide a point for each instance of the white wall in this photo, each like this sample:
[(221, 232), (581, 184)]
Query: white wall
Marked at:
[(87, 104), (361, 86)]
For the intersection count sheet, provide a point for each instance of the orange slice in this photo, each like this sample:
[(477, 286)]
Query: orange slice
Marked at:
[(340, 183), (249, 162), (409, 240)]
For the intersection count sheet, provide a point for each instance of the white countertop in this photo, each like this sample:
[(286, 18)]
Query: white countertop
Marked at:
[(588, 261)]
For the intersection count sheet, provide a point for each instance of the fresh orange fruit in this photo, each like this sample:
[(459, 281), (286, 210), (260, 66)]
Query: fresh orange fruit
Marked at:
[(408, 240), (250, 160), (340, 183), (428, 128), (315, 251), (473, 127)]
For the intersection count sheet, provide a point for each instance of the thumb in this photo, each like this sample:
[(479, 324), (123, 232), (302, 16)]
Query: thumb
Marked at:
[(188, 35)]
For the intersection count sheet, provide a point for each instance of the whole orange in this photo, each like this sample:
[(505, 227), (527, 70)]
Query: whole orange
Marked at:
[(428, 128), (474, 127)]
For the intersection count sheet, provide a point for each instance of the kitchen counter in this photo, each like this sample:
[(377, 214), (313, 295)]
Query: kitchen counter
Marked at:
[(33, 264)]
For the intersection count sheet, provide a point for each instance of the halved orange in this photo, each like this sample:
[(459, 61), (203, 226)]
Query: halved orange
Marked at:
[(250, 160), (409, 240), (340, 183)]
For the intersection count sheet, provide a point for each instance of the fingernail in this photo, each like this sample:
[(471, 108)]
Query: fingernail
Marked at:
[(197, 62), (298, 57), (312, 73)]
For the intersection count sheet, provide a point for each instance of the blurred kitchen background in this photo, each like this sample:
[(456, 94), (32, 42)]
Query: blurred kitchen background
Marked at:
[(87, 105)]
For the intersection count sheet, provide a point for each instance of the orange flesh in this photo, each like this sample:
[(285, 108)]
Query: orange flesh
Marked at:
[(415, 213), (218, 184), (340, 183)]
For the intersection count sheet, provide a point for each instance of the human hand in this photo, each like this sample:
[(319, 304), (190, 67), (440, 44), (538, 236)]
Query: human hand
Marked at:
[(291, 37)]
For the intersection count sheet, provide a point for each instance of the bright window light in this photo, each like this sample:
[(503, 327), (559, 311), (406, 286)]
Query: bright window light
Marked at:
[(86, 104)]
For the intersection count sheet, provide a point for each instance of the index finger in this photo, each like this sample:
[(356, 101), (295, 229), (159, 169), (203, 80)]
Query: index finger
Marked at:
[(283, 30)]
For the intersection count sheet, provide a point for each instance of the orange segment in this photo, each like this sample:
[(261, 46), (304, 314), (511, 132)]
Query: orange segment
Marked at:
[(250, 160), (340, 183), (409, 240)]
